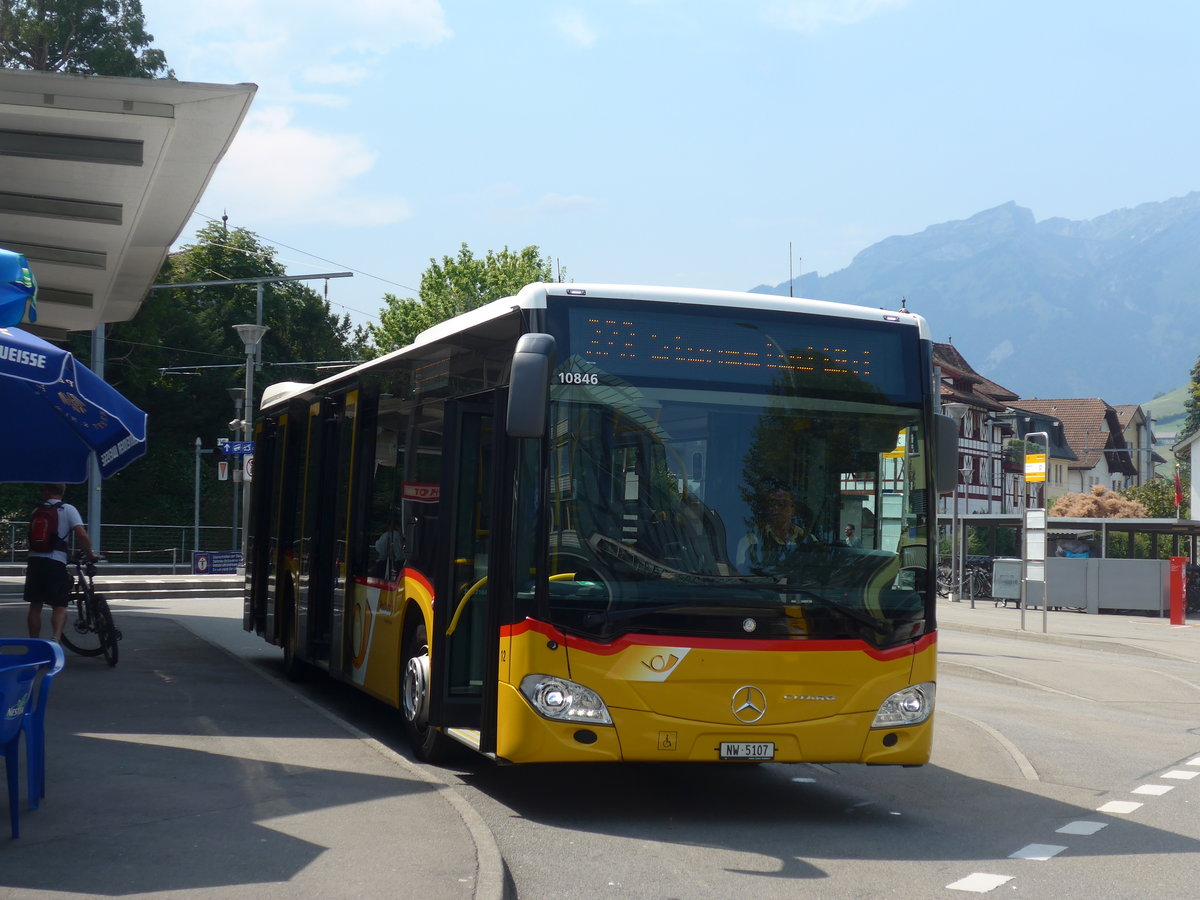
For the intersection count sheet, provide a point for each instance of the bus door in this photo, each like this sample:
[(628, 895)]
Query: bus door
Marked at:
[(317, 562), (465, 642)]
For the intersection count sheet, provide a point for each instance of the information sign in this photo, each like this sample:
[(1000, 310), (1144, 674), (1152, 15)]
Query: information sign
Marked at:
[(236, 448), (901, 446), (216, 562), (1035, 466)]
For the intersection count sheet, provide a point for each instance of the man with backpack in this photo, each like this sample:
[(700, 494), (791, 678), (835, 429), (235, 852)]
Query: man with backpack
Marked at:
[(47, 580)]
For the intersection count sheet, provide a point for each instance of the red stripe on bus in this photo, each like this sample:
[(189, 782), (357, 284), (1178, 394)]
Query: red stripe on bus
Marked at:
[(654, 640), (412, 574)]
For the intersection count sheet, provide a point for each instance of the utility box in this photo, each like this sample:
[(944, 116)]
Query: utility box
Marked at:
[(1006, 578)]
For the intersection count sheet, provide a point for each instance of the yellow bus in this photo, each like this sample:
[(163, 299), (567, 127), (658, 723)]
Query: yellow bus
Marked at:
[(606, 523)]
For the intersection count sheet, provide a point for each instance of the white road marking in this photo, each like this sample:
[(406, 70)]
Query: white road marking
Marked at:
[(1180, 774), (979, 882), (1038, 851), (1154, 790), (1012, 749), (1119, 806), (1032, 684), (1194, 762), (1082, 827)]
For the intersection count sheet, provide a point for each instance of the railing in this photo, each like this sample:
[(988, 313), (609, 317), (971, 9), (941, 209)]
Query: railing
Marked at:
[(133, 546)]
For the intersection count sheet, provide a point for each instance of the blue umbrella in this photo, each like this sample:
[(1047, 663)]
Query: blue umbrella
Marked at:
[(18, 289), (56, 413)]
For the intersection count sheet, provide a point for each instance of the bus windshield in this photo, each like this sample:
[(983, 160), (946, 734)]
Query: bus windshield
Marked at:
[(726, 473)]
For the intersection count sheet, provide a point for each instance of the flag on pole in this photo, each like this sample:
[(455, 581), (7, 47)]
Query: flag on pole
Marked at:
[(1178, 492)]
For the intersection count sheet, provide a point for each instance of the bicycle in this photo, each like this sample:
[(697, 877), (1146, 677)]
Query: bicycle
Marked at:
[(90, 631), (945, 578), (976, 578)]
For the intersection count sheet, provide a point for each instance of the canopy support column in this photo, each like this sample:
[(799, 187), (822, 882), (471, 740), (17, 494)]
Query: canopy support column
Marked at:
[(94, 479)]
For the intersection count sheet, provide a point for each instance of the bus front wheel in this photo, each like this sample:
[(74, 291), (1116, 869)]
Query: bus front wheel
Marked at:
[(428, 744)]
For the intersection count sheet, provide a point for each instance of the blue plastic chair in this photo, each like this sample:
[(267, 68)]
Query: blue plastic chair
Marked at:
[(51, 656), (16, 694)]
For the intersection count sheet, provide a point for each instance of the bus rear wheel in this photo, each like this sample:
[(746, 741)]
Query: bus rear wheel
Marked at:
[(428, 744)]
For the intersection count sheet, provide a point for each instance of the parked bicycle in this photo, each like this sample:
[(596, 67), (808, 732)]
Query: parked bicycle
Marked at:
[(976, 578), (90, 630)]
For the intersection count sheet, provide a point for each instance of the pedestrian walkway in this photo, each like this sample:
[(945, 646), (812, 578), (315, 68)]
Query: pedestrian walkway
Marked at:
[(1145, 635), (185, 771)]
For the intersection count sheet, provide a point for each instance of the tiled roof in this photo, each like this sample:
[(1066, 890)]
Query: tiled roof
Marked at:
[(965, 384), (1126, 412), (1084, 420)]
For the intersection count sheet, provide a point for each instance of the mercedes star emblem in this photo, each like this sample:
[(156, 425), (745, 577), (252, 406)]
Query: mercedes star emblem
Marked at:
[(749, 704)]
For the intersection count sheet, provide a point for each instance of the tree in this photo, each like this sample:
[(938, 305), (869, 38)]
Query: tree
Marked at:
[(1098, 503), (453, 286), (87, 37), (1192, 405), (1158, 497), (188, 332)]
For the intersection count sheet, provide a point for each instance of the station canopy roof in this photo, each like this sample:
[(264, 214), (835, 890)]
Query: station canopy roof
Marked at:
[(1061, 525), (98, 177)]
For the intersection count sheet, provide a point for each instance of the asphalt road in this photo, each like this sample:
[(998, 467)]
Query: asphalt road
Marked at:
[(1035, 744)]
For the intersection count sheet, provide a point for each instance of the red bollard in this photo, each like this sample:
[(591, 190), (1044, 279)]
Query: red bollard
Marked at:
[(1178, 580)]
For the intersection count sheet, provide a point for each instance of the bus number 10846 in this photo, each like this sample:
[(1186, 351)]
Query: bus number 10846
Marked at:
[(578, 378)]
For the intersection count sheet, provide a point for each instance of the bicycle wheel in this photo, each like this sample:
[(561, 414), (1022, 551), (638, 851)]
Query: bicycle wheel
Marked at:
[(945, 579), (80, 633), (109, 636), (981, 582)]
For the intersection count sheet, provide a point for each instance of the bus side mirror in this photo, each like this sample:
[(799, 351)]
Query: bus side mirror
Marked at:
[(947, 453), (529, 386)]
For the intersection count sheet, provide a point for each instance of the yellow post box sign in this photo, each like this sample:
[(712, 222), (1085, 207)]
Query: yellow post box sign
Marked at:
[(1035, 466), (901, 446)]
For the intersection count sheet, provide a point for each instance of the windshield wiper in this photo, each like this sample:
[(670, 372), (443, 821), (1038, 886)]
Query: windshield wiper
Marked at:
[(860, 617), (620, 615)]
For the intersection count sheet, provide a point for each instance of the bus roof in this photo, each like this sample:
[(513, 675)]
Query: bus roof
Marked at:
[(534, 296)]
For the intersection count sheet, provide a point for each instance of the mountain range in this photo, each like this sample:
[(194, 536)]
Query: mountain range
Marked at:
[(1106, 307)]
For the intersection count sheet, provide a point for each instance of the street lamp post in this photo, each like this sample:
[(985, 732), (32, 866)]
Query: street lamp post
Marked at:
[(251, 336), (238, 396)]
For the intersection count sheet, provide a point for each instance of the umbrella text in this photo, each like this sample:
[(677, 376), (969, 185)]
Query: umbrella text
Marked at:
[(23, 357)]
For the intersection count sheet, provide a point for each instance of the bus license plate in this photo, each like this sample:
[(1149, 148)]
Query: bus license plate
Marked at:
[(747, 750)]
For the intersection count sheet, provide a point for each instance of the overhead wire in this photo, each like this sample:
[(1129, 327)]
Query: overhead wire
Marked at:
[(323, 259)]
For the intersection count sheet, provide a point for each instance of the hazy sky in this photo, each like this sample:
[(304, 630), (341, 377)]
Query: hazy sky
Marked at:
[(677, 141)]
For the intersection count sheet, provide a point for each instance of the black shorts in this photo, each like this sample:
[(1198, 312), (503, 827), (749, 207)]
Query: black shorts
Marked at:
[(47, 581)]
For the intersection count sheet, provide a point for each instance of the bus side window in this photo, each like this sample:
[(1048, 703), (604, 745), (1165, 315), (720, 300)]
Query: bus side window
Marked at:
[(384, 517), (422, 479)]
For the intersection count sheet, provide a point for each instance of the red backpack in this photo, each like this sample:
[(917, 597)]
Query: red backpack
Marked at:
[(43, 529)]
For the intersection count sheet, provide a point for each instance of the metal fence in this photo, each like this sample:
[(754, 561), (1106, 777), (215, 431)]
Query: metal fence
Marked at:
[(131, 545)]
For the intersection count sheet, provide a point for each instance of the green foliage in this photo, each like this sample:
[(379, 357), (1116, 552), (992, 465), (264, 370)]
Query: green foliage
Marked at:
[(1158, 497), (177, 329), (453, 286), (88, 37), (1191, 405)]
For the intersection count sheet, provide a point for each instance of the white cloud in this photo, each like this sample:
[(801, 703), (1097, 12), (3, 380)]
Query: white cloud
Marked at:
[(575, 27), (263, 40), (278, 171), (999, 354), (812, 15)]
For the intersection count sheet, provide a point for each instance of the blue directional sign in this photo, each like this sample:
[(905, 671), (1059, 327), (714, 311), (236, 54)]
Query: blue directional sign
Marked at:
[(236, 448)]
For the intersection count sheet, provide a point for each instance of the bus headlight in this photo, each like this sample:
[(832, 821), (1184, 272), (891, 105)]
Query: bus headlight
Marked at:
[(564, 701), (911, 706)]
